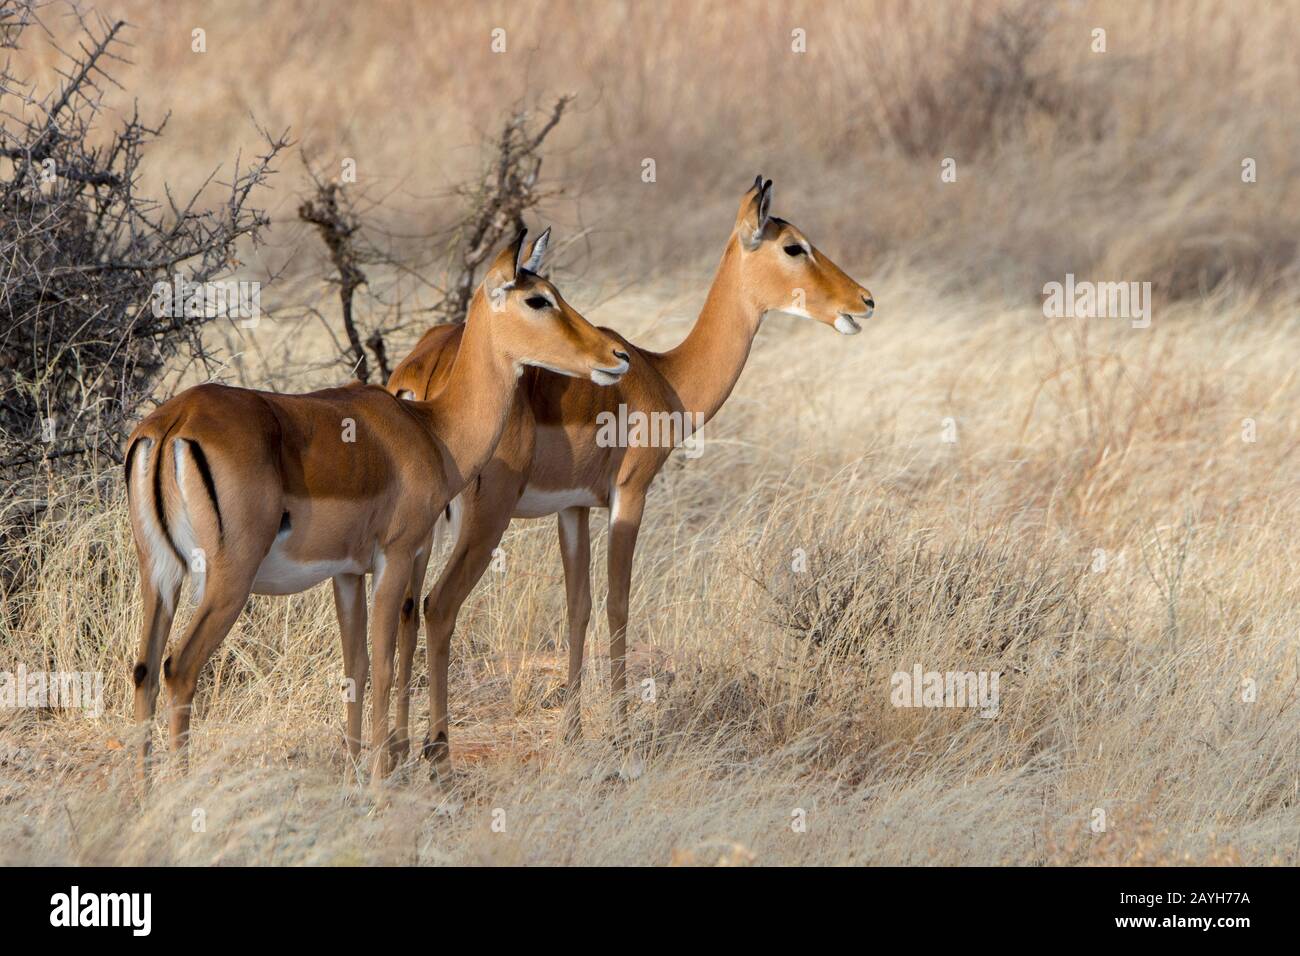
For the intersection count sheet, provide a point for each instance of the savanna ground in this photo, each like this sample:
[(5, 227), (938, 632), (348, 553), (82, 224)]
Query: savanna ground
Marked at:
[(1104, 514)]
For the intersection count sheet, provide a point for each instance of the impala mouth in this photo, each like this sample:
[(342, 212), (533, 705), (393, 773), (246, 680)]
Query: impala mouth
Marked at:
[(609, 376), (846, 324)]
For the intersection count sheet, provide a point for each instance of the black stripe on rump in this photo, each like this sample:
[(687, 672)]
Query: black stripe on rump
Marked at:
[(158, 495), (201, 461), (130, 456)]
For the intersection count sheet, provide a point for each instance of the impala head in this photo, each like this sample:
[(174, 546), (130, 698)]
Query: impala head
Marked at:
[(533, 324), (783, 272)]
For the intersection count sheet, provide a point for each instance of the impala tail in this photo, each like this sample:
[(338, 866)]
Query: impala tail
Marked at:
[(175, 512)]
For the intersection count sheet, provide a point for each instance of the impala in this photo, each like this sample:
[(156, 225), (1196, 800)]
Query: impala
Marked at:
[(550, 461), (251, 491)]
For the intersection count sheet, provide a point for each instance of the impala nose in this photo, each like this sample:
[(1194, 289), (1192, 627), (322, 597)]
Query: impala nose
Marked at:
[(869, 302), (621, 355)]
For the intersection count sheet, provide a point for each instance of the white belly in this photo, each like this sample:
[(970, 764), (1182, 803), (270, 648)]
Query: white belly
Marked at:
[(280, 574), (534, 503)]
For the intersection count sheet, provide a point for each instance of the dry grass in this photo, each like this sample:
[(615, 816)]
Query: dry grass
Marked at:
[(1122, 689)]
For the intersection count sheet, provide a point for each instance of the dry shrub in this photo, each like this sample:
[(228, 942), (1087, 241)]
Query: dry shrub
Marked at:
[(1201, 254), (992, 82), (877, 593)]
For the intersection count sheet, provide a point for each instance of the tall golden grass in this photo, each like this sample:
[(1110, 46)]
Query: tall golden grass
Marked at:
[(1103, 531)]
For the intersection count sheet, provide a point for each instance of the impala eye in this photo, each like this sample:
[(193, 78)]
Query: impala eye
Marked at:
[(537, 302), (794, 250)]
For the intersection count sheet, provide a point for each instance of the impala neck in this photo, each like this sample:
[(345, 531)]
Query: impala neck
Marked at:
[(468, 414), (704, 368)]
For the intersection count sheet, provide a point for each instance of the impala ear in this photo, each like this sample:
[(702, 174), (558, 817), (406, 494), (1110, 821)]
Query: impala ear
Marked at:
[(500, 276), (754, 213), (534, 263)]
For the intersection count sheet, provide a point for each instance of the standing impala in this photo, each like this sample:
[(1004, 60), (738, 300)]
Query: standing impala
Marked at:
[(550, 459), (254, 491)]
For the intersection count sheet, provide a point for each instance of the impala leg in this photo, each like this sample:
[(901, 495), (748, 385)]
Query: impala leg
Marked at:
[(159, 608), (575, 548), (390, 589), (625, 523), (350, 607), (480, 532), (225, 594), (408, 630)]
